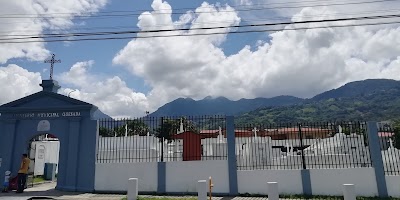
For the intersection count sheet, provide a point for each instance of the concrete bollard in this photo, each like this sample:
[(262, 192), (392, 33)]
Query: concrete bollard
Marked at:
[(273, 192), (202, 190), (349, 192), (133, 189)]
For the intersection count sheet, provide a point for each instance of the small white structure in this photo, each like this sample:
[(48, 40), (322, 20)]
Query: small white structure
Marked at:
[(273, 191), (133, 189), (349, 192), (46, 151), (254, 152), (202, 190), (219, 146), (338, 151), (389, 157), (129, 148)]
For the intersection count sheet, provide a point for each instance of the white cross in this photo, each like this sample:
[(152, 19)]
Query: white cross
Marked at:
[(255, 130)]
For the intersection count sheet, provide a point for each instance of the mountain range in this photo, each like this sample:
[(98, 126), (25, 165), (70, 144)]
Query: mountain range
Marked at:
[(371, 99), (220, 106)]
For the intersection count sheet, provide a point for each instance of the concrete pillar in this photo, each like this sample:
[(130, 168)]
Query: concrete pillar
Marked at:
[(161, 177), (376, 158), (202, 190), (349, 192), (132, 188), (232, 165), (73, 154), (273, 191)]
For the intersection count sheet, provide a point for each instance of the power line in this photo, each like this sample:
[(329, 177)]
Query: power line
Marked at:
[(199, 12), (188, 8), (213, 22), (130, 11), (43, 36), (204, 34)]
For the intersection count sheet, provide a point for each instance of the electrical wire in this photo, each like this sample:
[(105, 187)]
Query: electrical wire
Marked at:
[(205, 34), (199, 12), (42, 36), (248, 21)]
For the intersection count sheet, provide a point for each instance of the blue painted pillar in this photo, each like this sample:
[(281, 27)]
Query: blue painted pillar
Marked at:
[(7, 141), (305, 173), (62, 162), (161, 177), (73, 149), (306, 182), (376, 157), (232, 165)]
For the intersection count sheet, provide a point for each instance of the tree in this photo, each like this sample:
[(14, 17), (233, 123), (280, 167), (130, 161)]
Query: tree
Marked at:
[(132, 127), (120, 128), (169, 127), (396, 136)]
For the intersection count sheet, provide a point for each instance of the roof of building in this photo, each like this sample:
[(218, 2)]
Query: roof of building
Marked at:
[(385, 134)]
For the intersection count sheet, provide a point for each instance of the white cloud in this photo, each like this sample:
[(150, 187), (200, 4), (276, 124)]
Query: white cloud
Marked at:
[(17, 82), (301, 63), (26, 23), (170, 65), (244, 2), (290, 8), (110, 94)]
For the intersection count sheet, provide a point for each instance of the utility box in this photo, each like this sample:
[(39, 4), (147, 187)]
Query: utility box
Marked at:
[(50, 171)]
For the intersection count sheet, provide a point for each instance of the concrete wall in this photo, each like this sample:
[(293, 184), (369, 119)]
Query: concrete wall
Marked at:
[(114, 176), (255, 181), (183, 176), (393, 185), (180, 176), (330, 181)]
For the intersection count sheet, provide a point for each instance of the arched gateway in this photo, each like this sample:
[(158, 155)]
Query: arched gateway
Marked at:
[(47, 112)]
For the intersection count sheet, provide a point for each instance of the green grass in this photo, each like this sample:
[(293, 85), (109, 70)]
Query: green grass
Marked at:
[(38, 179), (281, 196), (321, 197), (162, 198)]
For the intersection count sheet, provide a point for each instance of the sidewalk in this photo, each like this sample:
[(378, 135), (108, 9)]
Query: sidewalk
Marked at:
[(47, 191)]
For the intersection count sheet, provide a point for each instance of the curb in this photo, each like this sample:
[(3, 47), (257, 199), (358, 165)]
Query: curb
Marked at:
[(39, 183)]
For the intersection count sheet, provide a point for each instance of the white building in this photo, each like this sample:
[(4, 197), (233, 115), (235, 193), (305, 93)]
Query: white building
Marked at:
[(41, 152)]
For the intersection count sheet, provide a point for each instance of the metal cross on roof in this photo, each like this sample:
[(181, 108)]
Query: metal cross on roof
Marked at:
[(52, 61)]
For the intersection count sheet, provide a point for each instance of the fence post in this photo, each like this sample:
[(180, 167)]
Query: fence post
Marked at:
[(202, 190), (349, 192), (273, 191), (161, 165), (376, 158), (305, 173), (161, 177), (132, 188), (303, 160), (232, 165), (162, 139)]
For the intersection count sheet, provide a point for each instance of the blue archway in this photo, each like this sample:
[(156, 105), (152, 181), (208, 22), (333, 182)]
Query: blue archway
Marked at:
[(69, 119)]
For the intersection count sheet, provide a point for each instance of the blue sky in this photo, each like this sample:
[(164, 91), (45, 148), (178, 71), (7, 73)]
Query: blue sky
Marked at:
[(103, 52), (125, 78)]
